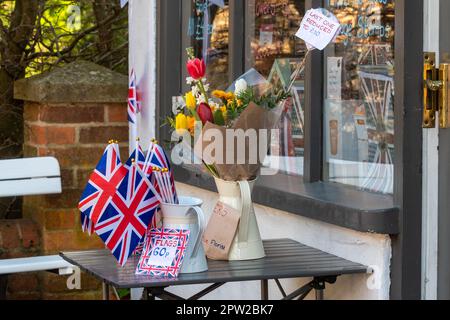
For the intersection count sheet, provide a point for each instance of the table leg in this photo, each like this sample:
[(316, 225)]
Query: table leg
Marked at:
[(265, 289), (105, 288), (148, 294), (319, 294)]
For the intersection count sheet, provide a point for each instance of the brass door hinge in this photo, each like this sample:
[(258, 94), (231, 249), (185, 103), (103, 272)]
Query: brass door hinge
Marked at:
[(435, 92)]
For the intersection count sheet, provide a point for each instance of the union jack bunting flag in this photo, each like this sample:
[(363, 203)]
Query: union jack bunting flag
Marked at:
[(127, 216), (101, 187), (133, 107), (158, 236)]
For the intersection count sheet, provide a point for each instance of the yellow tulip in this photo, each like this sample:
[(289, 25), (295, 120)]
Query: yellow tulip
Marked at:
[(224, 112), (181, 123), (191, 102), (191, 124)]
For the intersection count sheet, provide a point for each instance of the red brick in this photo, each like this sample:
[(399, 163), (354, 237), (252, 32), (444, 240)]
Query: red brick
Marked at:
[(68, 199), (45, 135), (9, 235), (116, 113), (104, 134), (53, 283), (20, 253), (56, 241), (83, 177), (84, 157), (124, 153), (73, 295), (24, 296), (31, 111), (23, 282), (85, 242), (67, 178), (60, 219), (30, 151), (75, 113), (29, 234)]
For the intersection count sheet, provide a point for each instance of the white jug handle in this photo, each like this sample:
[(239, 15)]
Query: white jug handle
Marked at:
[(246, 198), (201, 227)]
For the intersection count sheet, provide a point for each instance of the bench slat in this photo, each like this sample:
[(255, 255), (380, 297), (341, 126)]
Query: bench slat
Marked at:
[(13, 188), (29, 168), (33, 264)]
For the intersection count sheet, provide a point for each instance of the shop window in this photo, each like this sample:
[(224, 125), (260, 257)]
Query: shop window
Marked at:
[(359, 96), (358, 82), (274, 51), (207, 31)]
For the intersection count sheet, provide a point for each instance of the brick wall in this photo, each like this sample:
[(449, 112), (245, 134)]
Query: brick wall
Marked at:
[(20, 238), (70, 114)]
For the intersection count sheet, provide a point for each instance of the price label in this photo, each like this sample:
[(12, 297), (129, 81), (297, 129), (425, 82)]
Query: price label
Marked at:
[(162, 256), (317, 29)]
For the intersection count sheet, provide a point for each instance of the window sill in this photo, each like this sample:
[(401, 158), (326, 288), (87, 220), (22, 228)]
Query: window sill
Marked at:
[(331, 203)]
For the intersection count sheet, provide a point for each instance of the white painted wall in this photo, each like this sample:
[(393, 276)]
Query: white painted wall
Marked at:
[(368, 249), (430, 163), (142, 30)]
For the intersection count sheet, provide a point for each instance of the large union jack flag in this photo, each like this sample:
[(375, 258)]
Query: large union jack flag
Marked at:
[(101, 187), (128, 215)]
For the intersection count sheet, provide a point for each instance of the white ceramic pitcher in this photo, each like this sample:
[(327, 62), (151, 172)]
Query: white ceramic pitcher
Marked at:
[(188, 215), (247, 243)]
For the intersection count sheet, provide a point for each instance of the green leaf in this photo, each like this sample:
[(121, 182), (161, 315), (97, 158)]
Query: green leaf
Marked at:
[(218, 118)]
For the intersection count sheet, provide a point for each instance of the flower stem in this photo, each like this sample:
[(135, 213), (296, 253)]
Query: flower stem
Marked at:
[(202, 90)]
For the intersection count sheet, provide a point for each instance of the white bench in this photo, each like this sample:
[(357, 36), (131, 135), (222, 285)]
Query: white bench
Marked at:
[(34, 176)]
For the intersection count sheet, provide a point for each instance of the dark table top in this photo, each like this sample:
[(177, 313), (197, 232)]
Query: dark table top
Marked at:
[(285, 258)]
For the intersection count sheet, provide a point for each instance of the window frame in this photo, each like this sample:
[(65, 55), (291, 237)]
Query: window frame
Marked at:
[(398, 215)]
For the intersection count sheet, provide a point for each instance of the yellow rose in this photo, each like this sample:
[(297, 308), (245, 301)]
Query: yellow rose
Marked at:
[(229, 96), (219, 94), (191, 102), (181, 123)]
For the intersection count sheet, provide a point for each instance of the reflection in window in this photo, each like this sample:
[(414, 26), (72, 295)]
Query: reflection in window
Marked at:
[(359, 95), (274, 51), (208, 32)]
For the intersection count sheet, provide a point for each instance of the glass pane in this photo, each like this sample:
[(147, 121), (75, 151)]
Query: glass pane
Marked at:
[(207, 30), (359, 96), (274, 51)]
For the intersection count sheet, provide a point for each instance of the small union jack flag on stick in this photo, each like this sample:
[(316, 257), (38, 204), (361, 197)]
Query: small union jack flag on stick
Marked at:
[(101, 187), (128, 215), (158, 161), (134, 106)]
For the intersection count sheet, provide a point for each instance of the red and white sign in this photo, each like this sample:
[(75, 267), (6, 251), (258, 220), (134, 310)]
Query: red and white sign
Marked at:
[(163, 253), (318, 29)]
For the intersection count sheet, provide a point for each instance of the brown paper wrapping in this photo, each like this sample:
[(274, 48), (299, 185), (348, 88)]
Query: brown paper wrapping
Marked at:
[(242, 168)]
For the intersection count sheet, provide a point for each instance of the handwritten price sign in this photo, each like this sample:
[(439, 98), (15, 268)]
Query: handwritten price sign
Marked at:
[(162, 255), (318, 29), (163, 252)]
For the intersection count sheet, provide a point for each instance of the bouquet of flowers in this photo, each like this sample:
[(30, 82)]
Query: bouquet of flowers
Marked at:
[(250, 106), (228, 131)]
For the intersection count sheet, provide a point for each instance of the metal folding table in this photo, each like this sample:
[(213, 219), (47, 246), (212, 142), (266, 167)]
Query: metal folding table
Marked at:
[(284, 259)]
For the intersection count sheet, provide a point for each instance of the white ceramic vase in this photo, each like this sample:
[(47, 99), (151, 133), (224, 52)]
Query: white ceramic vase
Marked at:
[(247, 243), (188, 215)]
